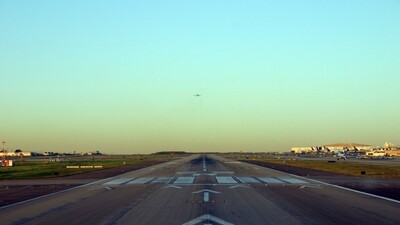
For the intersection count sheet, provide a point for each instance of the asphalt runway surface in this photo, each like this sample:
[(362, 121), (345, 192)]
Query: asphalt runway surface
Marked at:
[(205, 189), (379, 186)]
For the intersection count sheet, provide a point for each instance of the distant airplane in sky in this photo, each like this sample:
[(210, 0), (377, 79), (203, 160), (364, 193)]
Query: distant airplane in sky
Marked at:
[(197, 95)]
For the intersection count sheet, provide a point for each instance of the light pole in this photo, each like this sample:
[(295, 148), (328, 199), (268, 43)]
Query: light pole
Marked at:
[(4, 151)]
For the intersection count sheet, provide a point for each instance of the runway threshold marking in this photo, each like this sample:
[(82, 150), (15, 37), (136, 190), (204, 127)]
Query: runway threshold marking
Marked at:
[(270, 180), (118, 181), (248, 180), (225, 180), (184, 180), (141, 180), (293, 180), (163, 180), (207, 217)]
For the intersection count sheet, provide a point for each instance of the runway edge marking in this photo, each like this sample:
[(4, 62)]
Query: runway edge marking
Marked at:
[(344, 188), (71, 189), (55, 193)]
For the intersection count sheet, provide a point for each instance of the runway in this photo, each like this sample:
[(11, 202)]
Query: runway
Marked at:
[(204, 189)]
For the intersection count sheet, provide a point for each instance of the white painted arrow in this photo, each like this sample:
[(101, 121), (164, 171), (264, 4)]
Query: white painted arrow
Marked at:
[(206, 190), (207, 217), (307, 186), (172, 186)]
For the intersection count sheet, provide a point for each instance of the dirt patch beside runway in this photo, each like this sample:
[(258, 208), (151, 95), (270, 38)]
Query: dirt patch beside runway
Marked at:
[(13, 191), (389, 188)]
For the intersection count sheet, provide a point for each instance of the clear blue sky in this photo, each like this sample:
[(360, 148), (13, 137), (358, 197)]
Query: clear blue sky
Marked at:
[(119, 76)]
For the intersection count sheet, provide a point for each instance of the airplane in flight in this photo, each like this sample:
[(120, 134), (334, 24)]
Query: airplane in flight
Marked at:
[(197, 95)]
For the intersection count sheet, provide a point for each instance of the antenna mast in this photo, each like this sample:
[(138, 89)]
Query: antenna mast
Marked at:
[(4, 151)]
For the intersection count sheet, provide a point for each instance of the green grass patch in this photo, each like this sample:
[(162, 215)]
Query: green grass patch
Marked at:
[(42, 167), (343, 167)]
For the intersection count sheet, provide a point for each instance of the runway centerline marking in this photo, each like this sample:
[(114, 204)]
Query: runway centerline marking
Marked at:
[(206, 196), (204, 165), (206, 190)]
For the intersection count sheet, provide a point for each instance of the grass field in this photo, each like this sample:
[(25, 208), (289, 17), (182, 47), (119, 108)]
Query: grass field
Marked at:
[(343, 167), (41, 167)]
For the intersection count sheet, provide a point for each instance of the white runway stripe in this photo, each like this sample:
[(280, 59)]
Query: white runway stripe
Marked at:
[(270, 180), (184, 180), (225, 180), (163, 180), (293, 180), (248, 180), (118, 181), (141, 180)]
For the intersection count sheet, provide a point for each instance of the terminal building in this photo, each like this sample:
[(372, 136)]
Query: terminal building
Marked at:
[(347, 147), (354, 149), (339, 147), (17, 153)]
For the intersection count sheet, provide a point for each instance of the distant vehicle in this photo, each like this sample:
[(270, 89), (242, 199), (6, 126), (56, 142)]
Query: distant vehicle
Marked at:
[(341, 156), (375, 154), (197, 95)]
